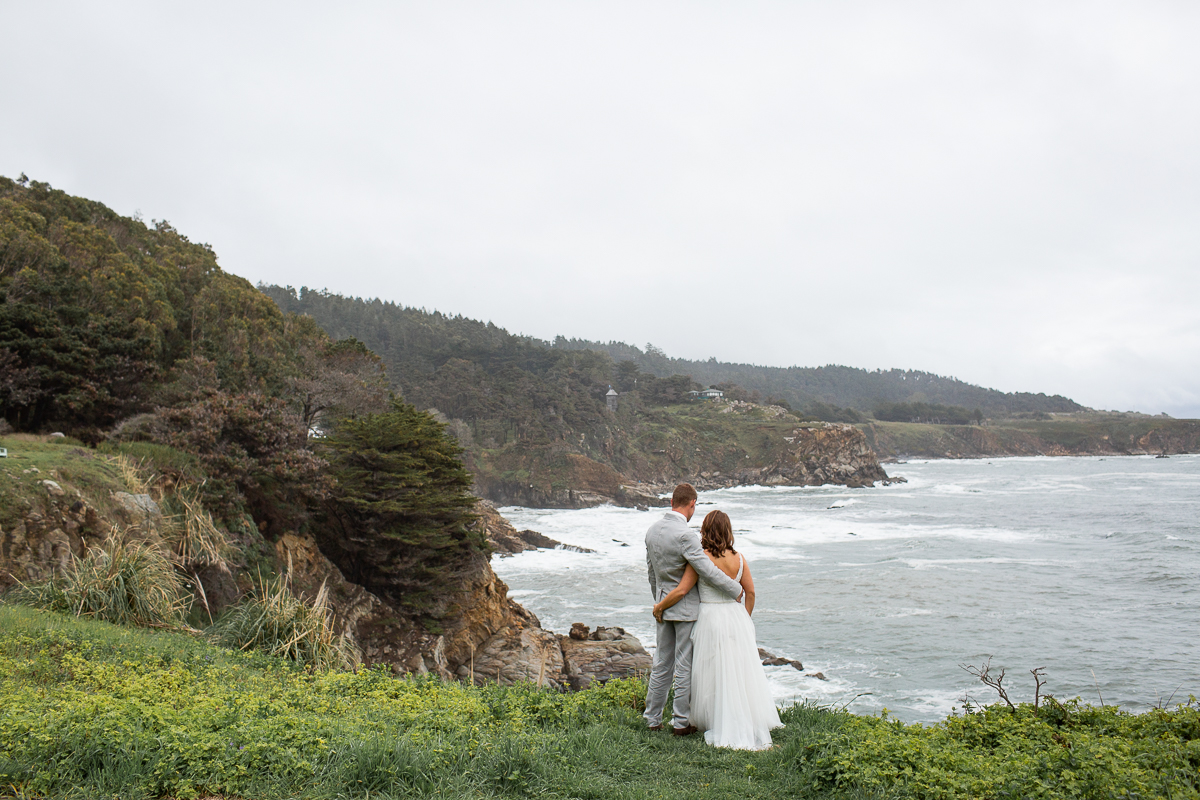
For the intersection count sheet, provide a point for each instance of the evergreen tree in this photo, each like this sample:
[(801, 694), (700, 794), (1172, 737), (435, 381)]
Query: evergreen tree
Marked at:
[(397, 521)]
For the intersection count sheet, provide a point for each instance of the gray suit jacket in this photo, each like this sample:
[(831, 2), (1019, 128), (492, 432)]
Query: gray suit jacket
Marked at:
[(670, 546)]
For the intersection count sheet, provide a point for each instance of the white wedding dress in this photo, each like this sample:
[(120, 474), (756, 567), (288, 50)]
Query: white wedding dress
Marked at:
[(731, 702)]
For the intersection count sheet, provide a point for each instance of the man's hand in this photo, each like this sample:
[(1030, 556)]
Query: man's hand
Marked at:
[(741, 596)]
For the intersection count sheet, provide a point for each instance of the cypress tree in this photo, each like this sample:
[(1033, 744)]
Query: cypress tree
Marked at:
[(398, 519)]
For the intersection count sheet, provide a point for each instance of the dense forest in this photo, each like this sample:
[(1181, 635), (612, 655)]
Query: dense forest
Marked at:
[(822, 391), (506, 388), (519, 386)]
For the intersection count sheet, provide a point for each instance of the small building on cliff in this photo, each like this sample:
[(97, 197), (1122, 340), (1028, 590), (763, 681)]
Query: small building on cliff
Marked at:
[(611, 399)]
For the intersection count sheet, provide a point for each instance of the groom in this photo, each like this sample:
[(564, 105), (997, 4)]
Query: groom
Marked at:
[(670, 546)]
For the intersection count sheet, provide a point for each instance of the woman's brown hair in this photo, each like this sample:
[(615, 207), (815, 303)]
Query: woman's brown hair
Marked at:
[(716, 533)]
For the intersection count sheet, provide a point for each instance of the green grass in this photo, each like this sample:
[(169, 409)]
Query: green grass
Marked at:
[(31, 461), (89, 709)]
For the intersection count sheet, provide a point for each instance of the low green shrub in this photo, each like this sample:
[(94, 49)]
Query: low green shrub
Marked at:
[(1063, 750), (89, 709)]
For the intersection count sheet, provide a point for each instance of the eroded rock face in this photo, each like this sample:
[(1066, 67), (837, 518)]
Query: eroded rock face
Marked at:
[(485, 636), (612, 653), (517, 653), (44, 541), (826, 453)]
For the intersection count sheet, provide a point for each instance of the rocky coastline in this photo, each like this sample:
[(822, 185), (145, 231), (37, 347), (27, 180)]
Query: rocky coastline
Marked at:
[(481, 634), (799, 454), (474, 631)]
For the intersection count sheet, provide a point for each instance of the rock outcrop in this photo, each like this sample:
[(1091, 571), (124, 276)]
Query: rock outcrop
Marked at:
[(823, 453), (46, 537), (507, 540), (814, 454), (489, 638), (600, 655)]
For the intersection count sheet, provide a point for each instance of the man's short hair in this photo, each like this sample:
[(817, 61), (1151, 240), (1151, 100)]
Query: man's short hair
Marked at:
[(683, 495)]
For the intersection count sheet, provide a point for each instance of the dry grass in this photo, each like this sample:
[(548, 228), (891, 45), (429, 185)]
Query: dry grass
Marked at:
[(275, 621), (194, 539), (134, 475), (123, 581)]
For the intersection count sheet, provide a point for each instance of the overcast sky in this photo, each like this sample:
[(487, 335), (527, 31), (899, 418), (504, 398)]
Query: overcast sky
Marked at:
[(1008, 193)]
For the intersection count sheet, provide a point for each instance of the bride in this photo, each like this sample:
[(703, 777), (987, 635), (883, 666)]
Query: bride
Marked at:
[(730, 699)]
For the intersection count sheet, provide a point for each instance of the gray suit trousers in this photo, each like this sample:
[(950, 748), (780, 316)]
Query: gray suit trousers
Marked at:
[(673, 656)]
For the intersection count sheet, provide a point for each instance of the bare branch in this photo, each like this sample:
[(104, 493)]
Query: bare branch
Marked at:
[(1039, 679), (1097, 688), (984, 674)]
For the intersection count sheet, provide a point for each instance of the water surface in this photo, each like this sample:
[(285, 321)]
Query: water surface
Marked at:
[(1079, 565)]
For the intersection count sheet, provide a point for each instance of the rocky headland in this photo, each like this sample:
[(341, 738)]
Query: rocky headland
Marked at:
[(1081, 434), (713, 446), (52, 516)]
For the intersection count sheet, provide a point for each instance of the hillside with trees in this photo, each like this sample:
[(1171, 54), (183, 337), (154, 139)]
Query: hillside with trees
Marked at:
[(832, 389), (533, 417), (188, 392)]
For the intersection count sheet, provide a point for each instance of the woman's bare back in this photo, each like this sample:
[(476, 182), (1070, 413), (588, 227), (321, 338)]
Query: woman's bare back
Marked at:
[(729, 563)]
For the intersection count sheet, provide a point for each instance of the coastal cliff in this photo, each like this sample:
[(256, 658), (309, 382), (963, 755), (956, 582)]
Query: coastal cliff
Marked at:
[(57, 502), (710, 445)]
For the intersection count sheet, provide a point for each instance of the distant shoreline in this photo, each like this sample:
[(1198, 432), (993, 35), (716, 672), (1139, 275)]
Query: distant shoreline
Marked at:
[(1099, 435)]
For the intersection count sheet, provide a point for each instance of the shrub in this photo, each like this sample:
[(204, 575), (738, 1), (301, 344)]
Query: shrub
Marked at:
[(1062, 750), (400, 513), (275, 621), (125, 582)]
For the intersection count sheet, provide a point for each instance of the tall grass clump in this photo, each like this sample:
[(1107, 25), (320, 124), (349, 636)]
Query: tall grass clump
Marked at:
[(195, 541), (124, 582), (132, 474), (194, 538), (275, 621)]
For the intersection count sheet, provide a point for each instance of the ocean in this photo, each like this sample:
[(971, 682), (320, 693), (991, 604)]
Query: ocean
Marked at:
[(1088, 567)]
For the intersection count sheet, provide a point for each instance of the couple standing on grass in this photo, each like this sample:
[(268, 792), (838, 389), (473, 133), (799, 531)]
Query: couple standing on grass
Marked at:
[(705, 636)]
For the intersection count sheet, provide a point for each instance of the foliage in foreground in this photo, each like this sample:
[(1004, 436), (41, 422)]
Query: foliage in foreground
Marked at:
[(88, 709), (1060, 750), (122, 581), (278, 623)]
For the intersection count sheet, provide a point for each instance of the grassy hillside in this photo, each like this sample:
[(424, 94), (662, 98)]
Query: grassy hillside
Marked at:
[(88, 709)]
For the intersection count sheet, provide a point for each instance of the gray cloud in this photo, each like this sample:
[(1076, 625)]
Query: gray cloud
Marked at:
[(1005, 193)]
